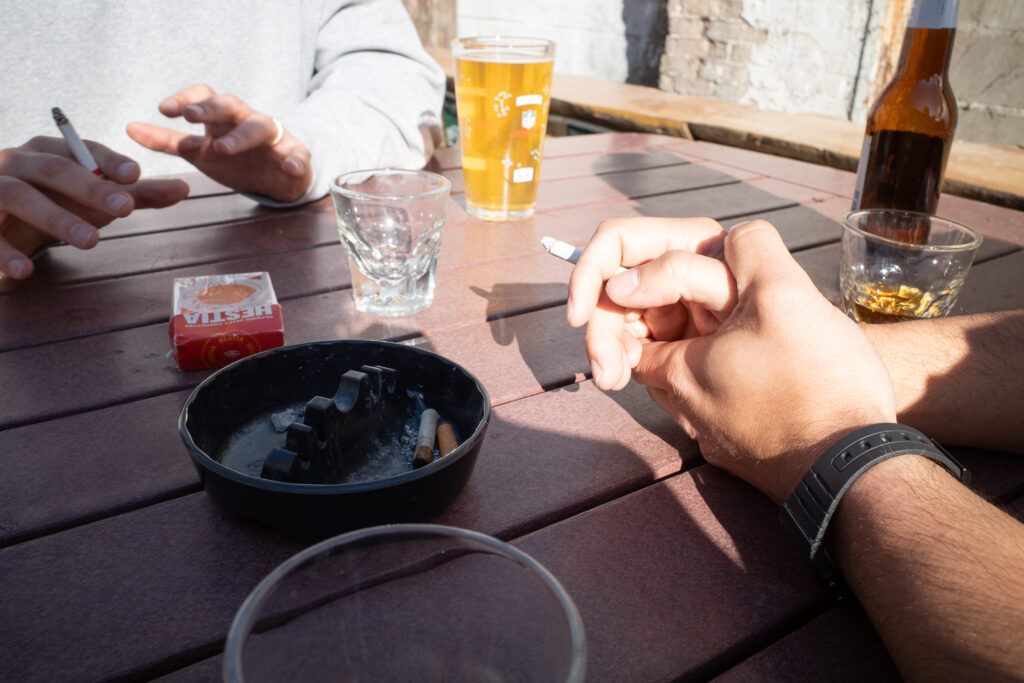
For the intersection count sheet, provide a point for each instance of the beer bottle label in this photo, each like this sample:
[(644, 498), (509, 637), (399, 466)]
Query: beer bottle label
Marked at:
[(934, 14), (862, 165)]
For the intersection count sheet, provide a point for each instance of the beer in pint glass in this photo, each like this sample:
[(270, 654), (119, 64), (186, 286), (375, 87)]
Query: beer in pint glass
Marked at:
[(503, 91)]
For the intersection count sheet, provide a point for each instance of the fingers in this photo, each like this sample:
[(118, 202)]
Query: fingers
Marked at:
[(23, 171), (612, 350), (173, 105), (663, 370), (630, 242), (675, 276), (157, 194), (217, 108), (21, 199), (116, 167), (258, 129), (13, 263), (160, 139)]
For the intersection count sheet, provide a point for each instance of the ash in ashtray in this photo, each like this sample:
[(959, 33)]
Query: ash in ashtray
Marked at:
[(281, 420), (358, 452)]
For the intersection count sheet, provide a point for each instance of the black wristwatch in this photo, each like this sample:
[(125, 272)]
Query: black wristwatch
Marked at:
[(807, 512)]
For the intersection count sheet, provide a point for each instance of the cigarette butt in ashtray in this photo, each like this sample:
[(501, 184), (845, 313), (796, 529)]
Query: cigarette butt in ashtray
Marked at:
[(425, 440), (446, 441)]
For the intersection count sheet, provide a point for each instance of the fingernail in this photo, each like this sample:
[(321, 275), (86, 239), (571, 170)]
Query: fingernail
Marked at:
[(127, 170), (226, 144), (292, 165), (170, 104), (18, 268), (622, 284), (117, 202), (191, 143), (193, 110), (81, 235), (595, 370)]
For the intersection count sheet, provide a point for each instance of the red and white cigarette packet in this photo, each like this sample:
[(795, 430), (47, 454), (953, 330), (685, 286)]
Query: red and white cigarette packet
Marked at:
[(218, 319)]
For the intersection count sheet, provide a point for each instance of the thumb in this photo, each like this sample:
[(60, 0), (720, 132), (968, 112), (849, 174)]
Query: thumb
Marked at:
[(755, 252), (673, 277)]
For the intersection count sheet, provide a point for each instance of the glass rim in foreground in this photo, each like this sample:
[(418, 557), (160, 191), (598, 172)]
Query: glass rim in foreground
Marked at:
[(503, 42), (247, 614), (443, 184), (849, 222)]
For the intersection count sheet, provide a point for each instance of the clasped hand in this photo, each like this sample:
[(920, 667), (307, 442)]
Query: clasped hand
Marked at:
[(745, 354)]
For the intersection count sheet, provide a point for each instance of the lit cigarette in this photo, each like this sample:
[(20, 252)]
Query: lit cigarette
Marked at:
[(566, 251), (425, 440), (446, 441), (78, 147)]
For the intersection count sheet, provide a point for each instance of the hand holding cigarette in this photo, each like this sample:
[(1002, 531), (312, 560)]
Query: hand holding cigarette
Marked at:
[(47, 195), (677, 287), (244, 149)]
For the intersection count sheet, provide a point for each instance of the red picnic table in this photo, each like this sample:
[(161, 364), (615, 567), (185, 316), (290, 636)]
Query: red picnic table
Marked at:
[(115, 564)]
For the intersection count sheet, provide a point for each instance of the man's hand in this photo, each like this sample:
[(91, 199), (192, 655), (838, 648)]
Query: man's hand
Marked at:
[(762, 385), (698, 289), (240, 148), (47, 196)]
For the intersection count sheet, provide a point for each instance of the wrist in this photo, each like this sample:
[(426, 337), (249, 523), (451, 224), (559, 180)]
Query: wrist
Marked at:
[(879, 494), (808, 512), (801, 459)]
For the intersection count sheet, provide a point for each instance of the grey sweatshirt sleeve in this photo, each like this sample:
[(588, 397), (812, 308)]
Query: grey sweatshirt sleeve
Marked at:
[(372, 83)]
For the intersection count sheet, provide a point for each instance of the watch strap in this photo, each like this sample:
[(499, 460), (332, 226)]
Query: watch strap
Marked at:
[(807, 512)]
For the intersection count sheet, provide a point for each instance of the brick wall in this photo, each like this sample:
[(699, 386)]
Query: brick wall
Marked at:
[(822, 56), (832, 56), (792, 55), (987, 71)]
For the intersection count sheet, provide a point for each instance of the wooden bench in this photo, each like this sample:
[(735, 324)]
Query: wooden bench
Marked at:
[(991, 173)]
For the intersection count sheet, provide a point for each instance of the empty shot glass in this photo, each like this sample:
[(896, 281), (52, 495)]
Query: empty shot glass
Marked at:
[(901, 265), (390, 223)]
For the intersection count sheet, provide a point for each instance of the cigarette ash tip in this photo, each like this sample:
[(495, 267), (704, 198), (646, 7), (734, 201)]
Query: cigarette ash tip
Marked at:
[(58, 116)]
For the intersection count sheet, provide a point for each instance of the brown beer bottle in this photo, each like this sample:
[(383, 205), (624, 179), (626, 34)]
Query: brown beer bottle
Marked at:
[(910, 126)]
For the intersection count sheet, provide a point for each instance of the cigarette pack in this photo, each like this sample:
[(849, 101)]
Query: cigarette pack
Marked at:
[(218, 319)]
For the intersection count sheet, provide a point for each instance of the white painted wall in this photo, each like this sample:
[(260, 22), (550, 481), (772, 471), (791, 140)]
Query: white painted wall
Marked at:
[(781, 55), (809, 61), (589, 35)]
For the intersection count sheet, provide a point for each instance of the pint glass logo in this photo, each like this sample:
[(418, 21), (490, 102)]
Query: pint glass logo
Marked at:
[(529, 119)]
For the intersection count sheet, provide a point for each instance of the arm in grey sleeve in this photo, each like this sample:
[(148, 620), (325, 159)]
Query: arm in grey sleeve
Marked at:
[(372, 83)]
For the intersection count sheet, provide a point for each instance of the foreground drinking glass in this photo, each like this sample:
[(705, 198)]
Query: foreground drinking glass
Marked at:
[(883, 278), (407, 602), (390, 223), (502, 91)]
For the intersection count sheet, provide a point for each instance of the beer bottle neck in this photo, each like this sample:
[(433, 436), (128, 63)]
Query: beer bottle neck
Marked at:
[(928, 41)]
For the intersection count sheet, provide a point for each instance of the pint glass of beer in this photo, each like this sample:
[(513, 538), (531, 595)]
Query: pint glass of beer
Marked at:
[(502, 91)]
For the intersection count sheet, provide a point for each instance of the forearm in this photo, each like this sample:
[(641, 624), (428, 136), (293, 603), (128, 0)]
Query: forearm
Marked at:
[(960, 380), (937, 569), (373, 80)]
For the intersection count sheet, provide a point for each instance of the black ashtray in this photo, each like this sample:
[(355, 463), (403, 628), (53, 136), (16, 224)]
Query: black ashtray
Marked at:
[(257, 431)]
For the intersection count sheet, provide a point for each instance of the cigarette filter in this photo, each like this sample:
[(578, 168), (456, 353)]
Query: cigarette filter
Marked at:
[(446, 441), (425, 441)]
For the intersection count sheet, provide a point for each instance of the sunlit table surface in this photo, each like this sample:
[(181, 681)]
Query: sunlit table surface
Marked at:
[(115, 564)]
